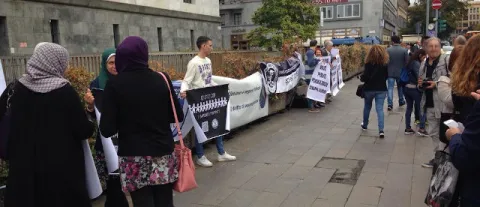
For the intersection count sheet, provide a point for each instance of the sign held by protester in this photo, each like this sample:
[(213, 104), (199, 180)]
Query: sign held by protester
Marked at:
[(282, 76), (338, 62), (210, 109), (320, 82), (3, 83), (334, 80)]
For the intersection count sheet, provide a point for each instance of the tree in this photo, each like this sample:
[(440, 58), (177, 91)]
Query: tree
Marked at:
[(452, 11), (284, 21)]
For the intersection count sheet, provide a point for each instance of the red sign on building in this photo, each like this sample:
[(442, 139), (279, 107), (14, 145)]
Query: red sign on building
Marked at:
[(328, 1), (436, 4)]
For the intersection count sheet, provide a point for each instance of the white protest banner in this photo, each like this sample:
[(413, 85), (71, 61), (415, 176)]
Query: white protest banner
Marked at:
[(282, 76), (334, 79), (248, 98), (339, 72), (320, 82), (111, 157), (3, 83), (93, 182)]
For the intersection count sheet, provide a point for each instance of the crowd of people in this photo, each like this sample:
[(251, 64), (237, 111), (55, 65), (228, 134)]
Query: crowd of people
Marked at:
[(45, 154), (439, 87)]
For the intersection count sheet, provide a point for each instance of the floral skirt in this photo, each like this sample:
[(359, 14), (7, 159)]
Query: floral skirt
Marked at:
[(138, 172), (101, 166)]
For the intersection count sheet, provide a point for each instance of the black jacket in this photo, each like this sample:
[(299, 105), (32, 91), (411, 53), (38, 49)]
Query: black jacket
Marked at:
[(136, 104), (375, 77)]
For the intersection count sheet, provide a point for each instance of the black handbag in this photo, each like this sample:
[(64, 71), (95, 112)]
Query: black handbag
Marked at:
[(360, 88)]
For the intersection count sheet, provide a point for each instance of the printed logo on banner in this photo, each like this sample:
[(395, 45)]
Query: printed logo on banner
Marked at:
[(263, 94), (271, 75)]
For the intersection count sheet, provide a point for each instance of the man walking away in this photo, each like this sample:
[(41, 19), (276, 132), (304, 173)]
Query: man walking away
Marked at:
[(398, 60)]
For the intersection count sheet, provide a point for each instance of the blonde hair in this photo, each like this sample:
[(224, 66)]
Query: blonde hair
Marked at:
[(466, 68), (377, 55)]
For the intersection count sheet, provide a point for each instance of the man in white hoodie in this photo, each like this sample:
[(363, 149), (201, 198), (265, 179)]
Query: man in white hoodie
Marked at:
[(199, 75)]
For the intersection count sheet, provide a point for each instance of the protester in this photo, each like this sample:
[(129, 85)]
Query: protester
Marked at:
[(328, 44), (460, 40), (199, 75), (398, 58), (374, 77), (465, 72), (431, 70), (309, 68), (111, 184), (136, 105), (46, 158), (464, 148), (412, 95)]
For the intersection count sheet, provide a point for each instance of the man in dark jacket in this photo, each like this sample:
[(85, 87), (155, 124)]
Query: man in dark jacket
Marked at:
[(465, 150), (398, 60)]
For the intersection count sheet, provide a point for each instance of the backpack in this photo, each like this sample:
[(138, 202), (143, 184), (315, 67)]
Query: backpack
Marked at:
[(404, 76)]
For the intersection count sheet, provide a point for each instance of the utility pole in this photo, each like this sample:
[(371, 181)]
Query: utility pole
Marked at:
[(427, 20), (436, 22)]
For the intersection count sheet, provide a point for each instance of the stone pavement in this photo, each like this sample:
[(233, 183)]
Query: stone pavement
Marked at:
[(311, 159), (324, 159)]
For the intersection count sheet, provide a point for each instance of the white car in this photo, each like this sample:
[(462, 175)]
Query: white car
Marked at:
[(447, 49)]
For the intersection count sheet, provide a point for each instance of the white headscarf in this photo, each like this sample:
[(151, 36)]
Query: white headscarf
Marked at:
[(46, 68)]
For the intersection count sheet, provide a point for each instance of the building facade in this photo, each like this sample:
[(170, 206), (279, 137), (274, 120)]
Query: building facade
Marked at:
[(90, 26), (471, 18), (236, 16)]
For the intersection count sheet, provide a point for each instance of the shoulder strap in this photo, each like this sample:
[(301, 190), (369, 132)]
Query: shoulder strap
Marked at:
[(446, 66), (177, 124)]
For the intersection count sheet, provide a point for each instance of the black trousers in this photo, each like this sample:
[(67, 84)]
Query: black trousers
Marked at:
[(153, 196)]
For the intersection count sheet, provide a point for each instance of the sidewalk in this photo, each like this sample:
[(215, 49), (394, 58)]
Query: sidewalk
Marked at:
[(318, 159)]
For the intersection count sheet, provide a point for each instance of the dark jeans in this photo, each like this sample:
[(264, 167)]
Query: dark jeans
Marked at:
[(413, 97), (153, 196)]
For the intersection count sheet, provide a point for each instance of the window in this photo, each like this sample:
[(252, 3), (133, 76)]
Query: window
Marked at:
[(348, 10), (237, 19), (192, 39), (54, 31), (116, 35), (160, 39), (327, 12), (222, 16), (188, 1), (221, 2)]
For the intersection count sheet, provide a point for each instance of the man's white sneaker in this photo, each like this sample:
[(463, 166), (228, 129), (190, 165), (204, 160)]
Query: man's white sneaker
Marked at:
[(226, 157), (204, 162)]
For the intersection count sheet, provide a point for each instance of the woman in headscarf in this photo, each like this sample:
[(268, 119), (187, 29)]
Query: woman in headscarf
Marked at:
[(110, 183), (136, 105), (47, 126)]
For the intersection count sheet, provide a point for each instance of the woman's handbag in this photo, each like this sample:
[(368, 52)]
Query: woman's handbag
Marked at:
[(186, 169), (5, 123), (360, 92), (441, 191)]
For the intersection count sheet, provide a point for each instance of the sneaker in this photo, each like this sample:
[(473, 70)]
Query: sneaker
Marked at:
[(382, 134), (422, 132), (314, 110), (204, 162), (429, 164), (409, 131), (402, 104), (390, 108), (226, 157), (363, 127)]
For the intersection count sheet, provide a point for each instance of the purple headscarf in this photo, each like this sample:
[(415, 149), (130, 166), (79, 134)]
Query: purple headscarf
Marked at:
[(132, 54)]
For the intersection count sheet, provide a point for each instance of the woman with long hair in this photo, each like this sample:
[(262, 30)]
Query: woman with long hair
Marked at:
[(375, 76), (465, 78), (412, 95)]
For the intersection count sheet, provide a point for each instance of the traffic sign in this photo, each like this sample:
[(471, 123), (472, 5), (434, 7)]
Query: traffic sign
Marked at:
[(436, 4)]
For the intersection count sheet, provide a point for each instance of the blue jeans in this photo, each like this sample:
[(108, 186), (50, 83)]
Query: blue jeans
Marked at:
[(199, 147), (379, 97), (391, 85), (413, 97)]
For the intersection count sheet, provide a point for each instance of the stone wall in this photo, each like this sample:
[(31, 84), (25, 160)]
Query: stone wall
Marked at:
[(87, 26)]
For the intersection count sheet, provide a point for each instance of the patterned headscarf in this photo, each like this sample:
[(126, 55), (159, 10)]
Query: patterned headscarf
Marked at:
[(132, 54), (46, 68)]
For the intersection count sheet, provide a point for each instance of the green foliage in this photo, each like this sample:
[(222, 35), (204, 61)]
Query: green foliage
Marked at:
[(284, 21), (452, 11)]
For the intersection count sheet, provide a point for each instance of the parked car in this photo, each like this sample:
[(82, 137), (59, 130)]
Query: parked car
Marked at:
[(447, 49)]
